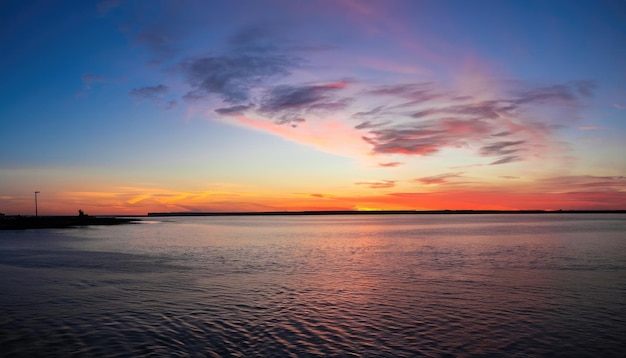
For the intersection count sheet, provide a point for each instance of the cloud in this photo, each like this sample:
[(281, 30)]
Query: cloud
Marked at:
[(505, 160), (420, 141), (414, 91), (289, 104), (370, 113), (377, 184), (417, 119), (500, 148), (154, 94), (233, 110), (556, 94), (326, 134), (502, 134), (589, 128), (619, 106), (368, 124), (150, 92), (250, 75), (447, 119), (251, 61), (425, 137), (233, 76), (584, 182), (390, 164), (437, 179)]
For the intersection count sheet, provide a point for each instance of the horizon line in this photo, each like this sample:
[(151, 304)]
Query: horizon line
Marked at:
[(379, 212)]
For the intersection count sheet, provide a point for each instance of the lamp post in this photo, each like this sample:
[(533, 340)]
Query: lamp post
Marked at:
[(36, 211)]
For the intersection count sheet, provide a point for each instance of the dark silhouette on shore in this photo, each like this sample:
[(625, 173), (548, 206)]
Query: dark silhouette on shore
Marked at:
[(19, 222)]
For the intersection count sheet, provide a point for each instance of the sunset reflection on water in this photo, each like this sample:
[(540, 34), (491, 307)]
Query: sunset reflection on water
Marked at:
[(339, 285)]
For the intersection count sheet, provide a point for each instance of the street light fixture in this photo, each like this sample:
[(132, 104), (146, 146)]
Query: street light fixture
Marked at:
[(36, 211)]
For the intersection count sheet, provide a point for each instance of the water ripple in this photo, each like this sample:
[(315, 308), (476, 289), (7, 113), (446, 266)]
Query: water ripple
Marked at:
[(304, 289)]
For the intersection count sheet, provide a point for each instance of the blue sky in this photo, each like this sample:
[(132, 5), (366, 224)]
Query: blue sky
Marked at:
[(129, 107)]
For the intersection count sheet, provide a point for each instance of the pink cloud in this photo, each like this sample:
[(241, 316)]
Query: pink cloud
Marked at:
[(328, 135)]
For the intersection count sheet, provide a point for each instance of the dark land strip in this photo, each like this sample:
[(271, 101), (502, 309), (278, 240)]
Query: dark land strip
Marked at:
[(49, 222), (384, 212)]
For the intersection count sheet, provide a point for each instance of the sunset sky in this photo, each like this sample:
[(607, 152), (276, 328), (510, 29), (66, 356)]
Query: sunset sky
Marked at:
[(130, 107)]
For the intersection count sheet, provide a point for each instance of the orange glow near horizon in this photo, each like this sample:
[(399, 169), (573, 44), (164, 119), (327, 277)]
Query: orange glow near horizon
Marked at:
[(95, 203)]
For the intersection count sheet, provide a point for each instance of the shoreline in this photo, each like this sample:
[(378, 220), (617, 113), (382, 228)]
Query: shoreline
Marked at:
[(382, 212), (19, 222)]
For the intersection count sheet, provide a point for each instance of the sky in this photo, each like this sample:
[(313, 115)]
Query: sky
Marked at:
[(130, 107)]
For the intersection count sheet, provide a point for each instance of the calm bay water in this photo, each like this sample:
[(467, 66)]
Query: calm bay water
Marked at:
[(368, 286)]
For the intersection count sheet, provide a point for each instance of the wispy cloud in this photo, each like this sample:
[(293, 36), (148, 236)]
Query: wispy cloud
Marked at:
[(149, 92), (154, 94), (507, 159), (583, 182), (446, 119), (438, 179), (383, 184), (289, 104), (390, 164), (500, 148)]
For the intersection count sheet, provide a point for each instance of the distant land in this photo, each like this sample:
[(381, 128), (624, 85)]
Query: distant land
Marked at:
[(385, 212), (19, 222)]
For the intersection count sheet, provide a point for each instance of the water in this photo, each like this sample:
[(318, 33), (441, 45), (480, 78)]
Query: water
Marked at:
[(362, 286)]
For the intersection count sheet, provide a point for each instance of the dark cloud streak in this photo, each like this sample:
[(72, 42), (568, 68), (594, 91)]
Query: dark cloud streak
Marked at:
[(437, 179), (150, 92)]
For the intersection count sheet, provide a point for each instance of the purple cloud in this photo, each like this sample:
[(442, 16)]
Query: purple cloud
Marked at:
[(289, 104), (448, 120), (500, 148), (251, 60), (150, 92), (233, 76), (238, 109)]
